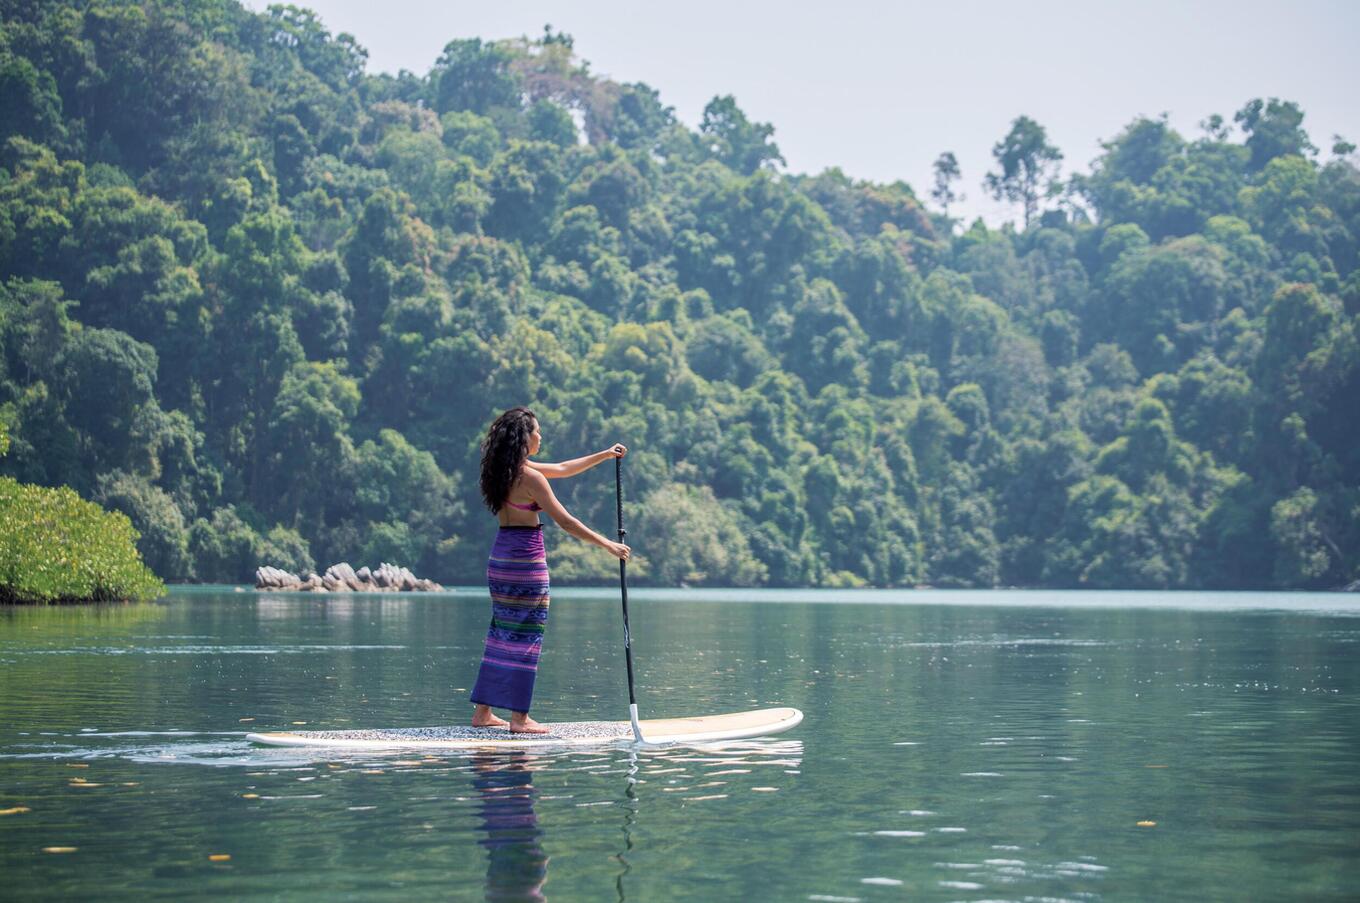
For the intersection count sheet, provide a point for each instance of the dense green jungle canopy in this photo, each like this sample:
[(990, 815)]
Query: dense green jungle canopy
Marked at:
[(266, 304)]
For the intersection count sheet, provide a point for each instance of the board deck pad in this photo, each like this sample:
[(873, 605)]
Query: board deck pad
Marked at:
[(698, 729)]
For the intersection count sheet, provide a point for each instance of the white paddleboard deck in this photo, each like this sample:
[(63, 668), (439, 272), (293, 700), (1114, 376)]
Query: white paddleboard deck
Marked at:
[(700, 729)]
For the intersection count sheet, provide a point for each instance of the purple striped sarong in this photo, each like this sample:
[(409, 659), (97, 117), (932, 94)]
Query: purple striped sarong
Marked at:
[(517, 576)]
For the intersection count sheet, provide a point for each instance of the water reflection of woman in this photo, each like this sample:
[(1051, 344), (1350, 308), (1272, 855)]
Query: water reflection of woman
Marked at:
[(516, 867), (515, 488)]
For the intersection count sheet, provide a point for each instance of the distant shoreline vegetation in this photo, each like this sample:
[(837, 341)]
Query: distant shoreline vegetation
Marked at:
[(265, 303)]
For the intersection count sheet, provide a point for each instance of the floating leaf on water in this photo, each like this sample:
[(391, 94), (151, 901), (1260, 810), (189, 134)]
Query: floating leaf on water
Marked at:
[(1147, 824), (299, 722), (372, 771), (243, 720), (764, 789), (250, 796), (59, 849), (17, 810), (219, 857), (83, 784)]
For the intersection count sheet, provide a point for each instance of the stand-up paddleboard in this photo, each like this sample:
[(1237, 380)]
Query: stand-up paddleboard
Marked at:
[(704, 728)]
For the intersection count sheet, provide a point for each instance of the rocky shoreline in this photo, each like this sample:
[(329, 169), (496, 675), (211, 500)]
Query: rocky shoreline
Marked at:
[(341, 578)]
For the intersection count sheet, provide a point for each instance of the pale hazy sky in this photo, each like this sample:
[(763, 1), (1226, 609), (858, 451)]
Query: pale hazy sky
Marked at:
[(880, 88)]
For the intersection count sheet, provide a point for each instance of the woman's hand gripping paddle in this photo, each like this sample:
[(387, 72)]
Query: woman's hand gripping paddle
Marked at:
[(623, 591)]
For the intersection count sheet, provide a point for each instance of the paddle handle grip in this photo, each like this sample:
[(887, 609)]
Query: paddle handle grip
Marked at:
[(618, 496)]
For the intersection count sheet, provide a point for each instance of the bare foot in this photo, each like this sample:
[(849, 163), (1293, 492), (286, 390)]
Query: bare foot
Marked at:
[(523, 724), (482, 716)]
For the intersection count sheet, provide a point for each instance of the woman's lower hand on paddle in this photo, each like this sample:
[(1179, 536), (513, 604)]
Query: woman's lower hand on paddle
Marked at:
[(618, 550)]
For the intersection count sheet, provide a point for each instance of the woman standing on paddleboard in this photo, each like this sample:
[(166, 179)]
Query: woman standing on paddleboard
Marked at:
[(515, 488)]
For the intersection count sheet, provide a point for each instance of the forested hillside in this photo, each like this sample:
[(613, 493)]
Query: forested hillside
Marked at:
[(266, 303)]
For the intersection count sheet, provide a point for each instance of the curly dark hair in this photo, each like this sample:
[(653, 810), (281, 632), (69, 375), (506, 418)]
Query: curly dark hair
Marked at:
[(504, 451)]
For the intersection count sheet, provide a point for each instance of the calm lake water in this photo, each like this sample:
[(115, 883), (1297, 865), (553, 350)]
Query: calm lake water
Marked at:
[(957, 746)]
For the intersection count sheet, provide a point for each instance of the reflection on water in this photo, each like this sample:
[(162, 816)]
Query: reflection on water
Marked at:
[(948, 753), (630, 814), (37, 622), (516, 866)]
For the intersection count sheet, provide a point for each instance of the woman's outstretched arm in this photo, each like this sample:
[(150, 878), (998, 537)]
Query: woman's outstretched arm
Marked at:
[(576, 465), (536, 484)]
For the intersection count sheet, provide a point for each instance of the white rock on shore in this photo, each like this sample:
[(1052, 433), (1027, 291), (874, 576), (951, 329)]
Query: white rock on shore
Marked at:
[(341, 578)]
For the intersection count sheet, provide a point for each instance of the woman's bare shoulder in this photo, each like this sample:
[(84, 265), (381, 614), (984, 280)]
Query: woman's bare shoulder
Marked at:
[(531, 479)]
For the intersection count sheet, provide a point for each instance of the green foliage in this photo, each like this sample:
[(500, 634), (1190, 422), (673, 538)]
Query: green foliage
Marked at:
[(1273, 130), (740, 144), (163, 539), (1302, 556), (29, 103), (472, 75), (726, 348), (265, 304), (469, 135), (639, 117), (57, 547), (1163, 303), (693, 540), (550, 122), (227, 549), (285, 548)]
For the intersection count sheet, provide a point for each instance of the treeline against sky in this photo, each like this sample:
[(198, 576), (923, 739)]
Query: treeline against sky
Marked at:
[(266, 304)]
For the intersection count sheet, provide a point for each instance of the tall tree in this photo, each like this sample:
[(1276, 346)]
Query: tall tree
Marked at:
[(946, 170), (1029, 166)]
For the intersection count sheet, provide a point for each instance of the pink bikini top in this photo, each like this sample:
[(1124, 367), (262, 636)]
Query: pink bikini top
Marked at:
[(532, 506)]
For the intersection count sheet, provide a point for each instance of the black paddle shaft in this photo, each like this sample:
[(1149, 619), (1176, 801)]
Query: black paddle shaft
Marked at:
[(623, 579)]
